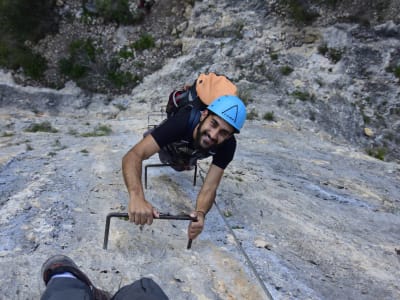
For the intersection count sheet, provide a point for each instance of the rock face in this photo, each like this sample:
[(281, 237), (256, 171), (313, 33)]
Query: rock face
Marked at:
[(302, 212), (336, 64)]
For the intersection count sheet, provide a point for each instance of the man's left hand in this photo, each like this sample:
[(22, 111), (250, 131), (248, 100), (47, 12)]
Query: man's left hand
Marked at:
[(196, 227)]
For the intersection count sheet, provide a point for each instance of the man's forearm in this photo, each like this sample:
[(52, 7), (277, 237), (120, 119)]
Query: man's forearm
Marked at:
[(132, 165), (132, 173), (205, 201), (208, 192)]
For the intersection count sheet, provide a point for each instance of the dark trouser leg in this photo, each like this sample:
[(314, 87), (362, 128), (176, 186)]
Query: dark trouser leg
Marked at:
[(143, 289), (67, 289)]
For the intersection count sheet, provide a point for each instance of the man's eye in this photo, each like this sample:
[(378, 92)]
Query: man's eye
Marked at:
[(224, 134)]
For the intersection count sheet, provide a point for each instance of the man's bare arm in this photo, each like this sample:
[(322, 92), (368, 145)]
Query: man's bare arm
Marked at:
[(140, 211), (205, 199)]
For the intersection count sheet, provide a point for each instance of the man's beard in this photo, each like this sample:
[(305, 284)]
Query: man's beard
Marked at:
[(199, 135)]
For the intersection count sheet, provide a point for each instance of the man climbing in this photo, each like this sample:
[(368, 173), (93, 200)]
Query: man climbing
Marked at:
[(181, 140)]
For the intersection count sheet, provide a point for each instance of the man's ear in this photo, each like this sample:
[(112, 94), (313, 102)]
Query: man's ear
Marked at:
[(204, 114)]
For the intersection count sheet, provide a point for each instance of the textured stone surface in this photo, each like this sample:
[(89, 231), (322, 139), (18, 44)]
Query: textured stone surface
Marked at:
[(325, 214)]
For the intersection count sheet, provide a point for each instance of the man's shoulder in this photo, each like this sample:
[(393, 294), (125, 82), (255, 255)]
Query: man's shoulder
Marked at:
[(172, 129), (228, 145)]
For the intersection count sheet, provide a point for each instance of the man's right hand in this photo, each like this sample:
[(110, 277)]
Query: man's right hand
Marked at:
[(141, 212)]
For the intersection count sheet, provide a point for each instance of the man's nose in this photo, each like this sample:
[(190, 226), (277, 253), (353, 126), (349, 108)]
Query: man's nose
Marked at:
[(213, 134)]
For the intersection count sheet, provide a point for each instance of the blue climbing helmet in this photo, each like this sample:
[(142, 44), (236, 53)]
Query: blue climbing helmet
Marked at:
[(231, 109)]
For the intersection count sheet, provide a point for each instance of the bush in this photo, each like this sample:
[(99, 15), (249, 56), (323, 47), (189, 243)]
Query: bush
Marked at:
[(303, 96), (299, 12), (332, 54), (115, 11), (22, 20), (335, 55), (41, 127), (82, 48), (145, 41), (120, 79), (125, 52), (71, 69), (251, 115), (395, 70), (34, 65), (100, 130), (286, 70), (27, 19), (14, 56), (274, 56), (378, 153), (269, 116), (82, 53)]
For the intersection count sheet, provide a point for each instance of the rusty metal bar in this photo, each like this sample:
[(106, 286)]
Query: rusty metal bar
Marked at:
[(163, 216), (151, 166)]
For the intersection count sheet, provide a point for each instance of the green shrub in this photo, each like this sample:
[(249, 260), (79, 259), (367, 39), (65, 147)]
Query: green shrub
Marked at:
[(274, 56), (332, 54), (251, 115), (378, 152), (125, 52), (120, 79), (26, 19), (299, 12), (34, 65), (286, 70), (73, 132), (146, 41), (227, 213), (395, 70), (22, 20), (72, 69), (82, 48), (100, 130), (120, 106), (323, 49), (41, 127), (303, 96), (269, 116), (335, 55), (82, 53), (14, 56), (114, 11)]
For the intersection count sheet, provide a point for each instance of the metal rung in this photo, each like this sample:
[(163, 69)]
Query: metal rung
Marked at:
[(162, 216)]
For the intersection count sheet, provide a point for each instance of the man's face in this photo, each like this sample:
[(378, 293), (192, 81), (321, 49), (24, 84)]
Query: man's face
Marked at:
[(212, 131)]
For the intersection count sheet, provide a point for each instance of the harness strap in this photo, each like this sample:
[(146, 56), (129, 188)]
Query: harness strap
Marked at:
[(194, 119)]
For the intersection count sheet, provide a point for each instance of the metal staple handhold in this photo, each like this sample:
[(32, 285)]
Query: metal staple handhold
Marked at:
[(162, 216)]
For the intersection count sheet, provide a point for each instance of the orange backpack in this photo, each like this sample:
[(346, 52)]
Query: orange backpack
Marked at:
[(206, 88)]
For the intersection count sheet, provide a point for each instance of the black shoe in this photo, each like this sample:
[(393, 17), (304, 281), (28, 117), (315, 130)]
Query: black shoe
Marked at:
[(60, 264)]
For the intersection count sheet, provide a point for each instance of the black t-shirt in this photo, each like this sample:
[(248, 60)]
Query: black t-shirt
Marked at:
[(175, 129)]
